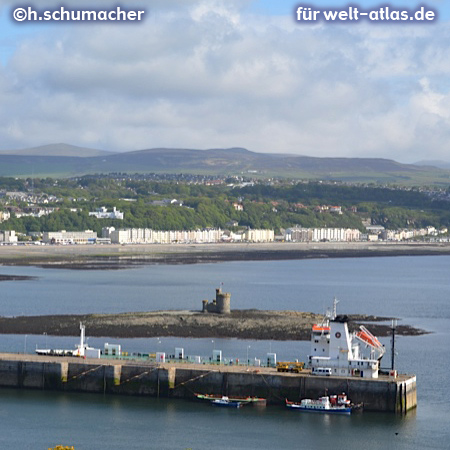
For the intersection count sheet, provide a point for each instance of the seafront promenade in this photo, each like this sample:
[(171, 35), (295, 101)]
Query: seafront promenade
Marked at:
[(97, 255)]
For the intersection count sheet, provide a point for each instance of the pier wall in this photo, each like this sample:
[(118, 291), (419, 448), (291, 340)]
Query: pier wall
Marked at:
[(387, 395)]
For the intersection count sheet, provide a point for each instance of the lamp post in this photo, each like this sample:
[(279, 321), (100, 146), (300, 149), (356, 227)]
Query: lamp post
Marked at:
[(248, 346), (393, 327)]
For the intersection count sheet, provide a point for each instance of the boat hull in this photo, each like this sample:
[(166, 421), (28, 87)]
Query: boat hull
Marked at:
[(226, 404), (255, 401), (320, 410)]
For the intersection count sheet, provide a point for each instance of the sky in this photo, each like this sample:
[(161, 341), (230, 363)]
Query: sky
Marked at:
[(228, 73)]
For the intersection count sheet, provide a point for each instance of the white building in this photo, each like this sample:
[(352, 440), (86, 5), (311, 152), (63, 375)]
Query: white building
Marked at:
[(403, 235), (69, 237), (8, 237), (328, 234), (149, 236), (352, 235), (201, 236), (299, 234), (235, 237), (102, 213), (132, 236), (4, 215), (167, 202), (258, 235)]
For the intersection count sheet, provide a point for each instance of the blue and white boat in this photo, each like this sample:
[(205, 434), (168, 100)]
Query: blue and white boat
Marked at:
[(226, 402), (338, 405)]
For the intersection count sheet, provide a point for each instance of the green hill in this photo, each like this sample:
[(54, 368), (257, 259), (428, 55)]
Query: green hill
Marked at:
[(61, 160)]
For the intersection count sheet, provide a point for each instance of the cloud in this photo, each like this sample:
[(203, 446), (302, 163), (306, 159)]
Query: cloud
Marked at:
[(209, 74)]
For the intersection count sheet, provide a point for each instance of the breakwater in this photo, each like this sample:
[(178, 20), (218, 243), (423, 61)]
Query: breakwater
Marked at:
[(184, 380)]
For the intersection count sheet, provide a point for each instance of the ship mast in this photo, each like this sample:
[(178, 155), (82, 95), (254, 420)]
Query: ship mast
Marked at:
[(330, 314), (335, 302)]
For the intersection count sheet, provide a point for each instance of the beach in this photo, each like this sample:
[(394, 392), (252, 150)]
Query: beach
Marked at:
[(92, 256)]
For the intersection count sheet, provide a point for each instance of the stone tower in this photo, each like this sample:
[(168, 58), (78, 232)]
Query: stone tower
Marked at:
[(223, 302), (220, 305)]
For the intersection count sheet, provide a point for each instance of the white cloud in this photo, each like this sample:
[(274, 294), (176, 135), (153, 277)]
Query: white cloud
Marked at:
[(206, 74)]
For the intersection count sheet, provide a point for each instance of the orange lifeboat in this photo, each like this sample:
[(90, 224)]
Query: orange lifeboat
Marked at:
[(365, 335)]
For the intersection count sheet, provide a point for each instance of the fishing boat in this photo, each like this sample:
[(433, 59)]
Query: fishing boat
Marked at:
[(257, 401), (335, 404), (226, 402)]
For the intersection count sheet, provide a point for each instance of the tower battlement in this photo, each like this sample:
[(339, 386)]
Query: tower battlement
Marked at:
[(220, 305)]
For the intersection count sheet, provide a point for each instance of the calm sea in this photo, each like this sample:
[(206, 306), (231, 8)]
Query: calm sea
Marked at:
[(414, 289)]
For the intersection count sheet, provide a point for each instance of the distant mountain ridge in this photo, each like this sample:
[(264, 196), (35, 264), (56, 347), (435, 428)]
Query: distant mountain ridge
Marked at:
[(64, 160), (56, 150), (434, 163)]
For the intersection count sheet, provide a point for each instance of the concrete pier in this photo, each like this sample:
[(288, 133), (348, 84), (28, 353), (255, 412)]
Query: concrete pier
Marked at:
[(182, 380)]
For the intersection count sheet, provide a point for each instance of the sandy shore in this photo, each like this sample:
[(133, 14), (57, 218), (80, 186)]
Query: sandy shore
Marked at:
[(242, 324), (115, 256)]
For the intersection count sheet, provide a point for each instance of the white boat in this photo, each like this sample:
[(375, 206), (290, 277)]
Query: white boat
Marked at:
[(336, 405), (82, 350)]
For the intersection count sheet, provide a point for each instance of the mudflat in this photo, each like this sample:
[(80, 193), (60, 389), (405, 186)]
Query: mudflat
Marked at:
[(242, 324), (112, 256)]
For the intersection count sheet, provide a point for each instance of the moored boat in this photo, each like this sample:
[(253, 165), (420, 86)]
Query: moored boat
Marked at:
[(335, 404), (244, 400), (226, 402)]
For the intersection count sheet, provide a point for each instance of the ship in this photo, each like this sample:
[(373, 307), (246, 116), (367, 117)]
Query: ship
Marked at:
[(335, 404), (337, 352), (82, 350)]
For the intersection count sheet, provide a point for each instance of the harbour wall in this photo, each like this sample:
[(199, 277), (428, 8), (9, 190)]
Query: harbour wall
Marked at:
[(183, 381)]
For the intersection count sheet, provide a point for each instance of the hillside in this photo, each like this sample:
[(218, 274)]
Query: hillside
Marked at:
[(434, 163), (61, 160), (57, 150)]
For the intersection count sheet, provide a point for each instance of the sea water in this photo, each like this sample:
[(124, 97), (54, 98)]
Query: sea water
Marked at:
[(414, 289)]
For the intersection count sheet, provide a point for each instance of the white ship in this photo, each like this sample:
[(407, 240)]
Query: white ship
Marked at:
[(337, 352), (82, 350)]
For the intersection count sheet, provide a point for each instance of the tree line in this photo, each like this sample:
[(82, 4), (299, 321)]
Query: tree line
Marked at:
[(264, 206)]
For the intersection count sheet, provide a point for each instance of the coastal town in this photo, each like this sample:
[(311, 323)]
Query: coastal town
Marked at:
[(187, 210), (213, 236)]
